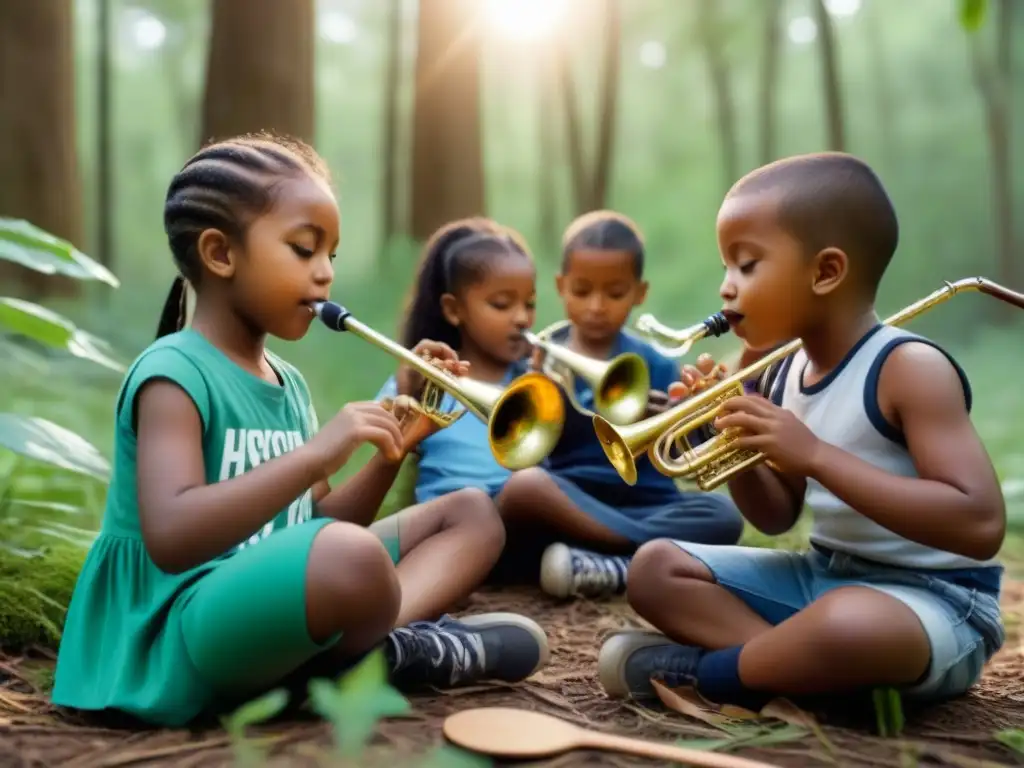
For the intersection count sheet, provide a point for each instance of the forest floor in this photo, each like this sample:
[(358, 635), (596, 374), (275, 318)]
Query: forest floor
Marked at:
[(961, 734)]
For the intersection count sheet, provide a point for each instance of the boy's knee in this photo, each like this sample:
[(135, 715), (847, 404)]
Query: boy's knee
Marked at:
[(860, 621), (523, 487), (655, 564), (351, 578)]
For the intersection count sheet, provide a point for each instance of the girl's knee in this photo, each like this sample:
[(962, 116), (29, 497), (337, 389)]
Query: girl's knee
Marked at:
[(350, 581), (473, 510), (654, 565)]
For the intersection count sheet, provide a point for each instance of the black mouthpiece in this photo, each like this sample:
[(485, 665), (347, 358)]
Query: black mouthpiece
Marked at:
[(332, 315), (717, 324)]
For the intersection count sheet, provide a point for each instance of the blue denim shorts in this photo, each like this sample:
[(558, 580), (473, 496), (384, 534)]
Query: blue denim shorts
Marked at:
[(962, 621)]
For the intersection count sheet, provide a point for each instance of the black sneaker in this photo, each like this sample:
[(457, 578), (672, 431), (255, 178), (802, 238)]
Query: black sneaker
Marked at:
[(452, 652), (629, 660), (570, 572)]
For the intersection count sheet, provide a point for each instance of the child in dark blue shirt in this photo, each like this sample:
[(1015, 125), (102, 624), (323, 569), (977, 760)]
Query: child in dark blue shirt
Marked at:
[(576, 509)]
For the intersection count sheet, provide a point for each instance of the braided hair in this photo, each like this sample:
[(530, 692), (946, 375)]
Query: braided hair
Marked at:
[(225, 186)]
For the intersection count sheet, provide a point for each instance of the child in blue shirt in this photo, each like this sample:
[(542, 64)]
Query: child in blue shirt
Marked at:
[(576, 508)]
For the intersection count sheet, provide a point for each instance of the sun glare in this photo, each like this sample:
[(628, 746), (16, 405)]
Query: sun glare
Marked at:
[(524, 20)]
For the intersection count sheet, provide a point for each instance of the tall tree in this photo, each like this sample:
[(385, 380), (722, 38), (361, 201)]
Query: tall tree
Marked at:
[(992, 67), (712, 36), (772, 10), (830, 77), (591, 176), (259, 71), (38, 155), (447, 147), (390, 224)]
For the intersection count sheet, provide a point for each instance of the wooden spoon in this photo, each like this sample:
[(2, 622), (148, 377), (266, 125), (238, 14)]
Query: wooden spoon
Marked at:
[(520, 733)]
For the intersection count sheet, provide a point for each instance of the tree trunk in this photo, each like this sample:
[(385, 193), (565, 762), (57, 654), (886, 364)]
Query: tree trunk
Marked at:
[(447, 151), (390, 225), (712, 40), (104, 131), (608, 111), (995, 83), (259, 72), (547, 135), (578, 167), (769, 78), (38, 154), (885, 105), (830, 78)]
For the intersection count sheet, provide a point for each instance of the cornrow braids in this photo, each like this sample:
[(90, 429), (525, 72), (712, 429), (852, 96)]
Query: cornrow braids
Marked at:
[(225, 186), (457, 255), (604, 231)]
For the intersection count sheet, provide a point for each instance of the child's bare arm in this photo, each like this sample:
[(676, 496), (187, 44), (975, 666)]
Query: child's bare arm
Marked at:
[(956, 504), (769, 500), (184, 520)]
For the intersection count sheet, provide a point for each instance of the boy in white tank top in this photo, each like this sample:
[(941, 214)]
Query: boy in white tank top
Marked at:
[(869, 426)]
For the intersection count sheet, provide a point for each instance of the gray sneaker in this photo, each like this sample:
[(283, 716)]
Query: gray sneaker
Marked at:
[(629, 660), (570, 572), (451, 652)]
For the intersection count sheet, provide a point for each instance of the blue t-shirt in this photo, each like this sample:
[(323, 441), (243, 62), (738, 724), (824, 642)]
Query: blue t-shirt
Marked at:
[(579, 456), (458, 456)]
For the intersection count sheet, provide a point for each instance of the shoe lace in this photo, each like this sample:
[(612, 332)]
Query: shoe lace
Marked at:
[(437, 643), (592, 571)]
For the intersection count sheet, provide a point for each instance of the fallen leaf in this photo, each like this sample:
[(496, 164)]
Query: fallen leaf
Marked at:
[(686, 701)]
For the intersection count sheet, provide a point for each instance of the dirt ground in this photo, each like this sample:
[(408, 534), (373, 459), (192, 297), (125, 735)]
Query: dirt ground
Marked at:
[(959, 735)]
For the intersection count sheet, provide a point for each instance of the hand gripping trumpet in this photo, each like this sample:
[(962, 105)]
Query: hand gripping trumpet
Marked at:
[(676, 343), (524, 420), (716, 460)]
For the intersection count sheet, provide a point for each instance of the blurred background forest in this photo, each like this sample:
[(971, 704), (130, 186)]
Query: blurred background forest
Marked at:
[(529, 111)]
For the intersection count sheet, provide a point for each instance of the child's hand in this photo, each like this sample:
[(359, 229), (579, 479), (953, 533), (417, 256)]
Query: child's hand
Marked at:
[(537, 359), (355, 424), (693, 379), (438, 354), (773, 431), (415, 425)]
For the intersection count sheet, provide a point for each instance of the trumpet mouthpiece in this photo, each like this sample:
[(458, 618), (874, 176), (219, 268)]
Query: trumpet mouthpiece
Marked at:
[(331, 314)]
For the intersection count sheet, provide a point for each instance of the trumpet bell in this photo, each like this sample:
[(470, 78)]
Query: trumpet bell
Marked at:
[(618, 447), (622, 391), (525, 422)]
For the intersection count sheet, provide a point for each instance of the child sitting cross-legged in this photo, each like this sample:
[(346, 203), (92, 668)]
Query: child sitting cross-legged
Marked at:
[(869, 426)]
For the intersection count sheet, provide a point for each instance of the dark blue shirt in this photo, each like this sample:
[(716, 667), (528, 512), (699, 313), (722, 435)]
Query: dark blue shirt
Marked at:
[(580, 457)]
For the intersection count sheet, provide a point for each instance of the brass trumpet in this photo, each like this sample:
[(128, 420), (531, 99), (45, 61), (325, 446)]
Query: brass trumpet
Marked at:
[(676, 343), (524, 420), (621, 386), (716, 460)]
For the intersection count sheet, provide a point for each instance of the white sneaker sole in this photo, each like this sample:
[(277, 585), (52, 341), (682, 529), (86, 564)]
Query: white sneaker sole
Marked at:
[(556, 571), (611, 661)]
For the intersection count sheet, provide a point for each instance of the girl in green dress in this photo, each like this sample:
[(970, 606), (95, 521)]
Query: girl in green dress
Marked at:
[(226, 564)]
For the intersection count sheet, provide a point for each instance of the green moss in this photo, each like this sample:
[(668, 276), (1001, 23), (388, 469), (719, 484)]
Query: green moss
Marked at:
[(35, 593)]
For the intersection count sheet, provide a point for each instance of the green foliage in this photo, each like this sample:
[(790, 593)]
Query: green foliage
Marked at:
[(44, 539), (247, 751), (356, 703), (888, 712), (33, 248), (1012, 738), (972, 14)]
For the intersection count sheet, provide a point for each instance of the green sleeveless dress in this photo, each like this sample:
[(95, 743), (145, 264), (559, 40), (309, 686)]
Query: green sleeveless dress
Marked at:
[(139, 640)]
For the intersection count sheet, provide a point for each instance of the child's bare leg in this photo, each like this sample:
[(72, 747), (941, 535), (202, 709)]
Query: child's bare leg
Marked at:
[(531, 499), (677, 593), (447, 546), (849, 638)]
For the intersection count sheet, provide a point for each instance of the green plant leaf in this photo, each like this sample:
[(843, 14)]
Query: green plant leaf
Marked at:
[(42, 440), (47, 327), (972, 14), (34, 248), (257, 711), (1012, 738)]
